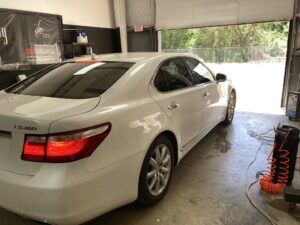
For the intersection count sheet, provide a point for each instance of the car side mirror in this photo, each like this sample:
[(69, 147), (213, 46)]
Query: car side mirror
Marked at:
[(221, 77)]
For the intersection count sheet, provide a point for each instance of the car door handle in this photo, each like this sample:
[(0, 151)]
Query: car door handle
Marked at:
[(173, 106), (205, 95)]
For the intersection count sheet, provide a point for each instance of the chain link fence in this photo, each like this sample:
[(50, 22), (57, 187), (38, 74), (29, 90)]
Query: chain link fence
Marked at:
[(238, 54)]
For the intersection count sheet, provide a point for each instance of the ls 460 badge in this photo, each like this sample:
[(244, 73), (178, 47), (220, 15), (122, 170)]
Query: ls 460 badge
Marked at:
[(19, 127)]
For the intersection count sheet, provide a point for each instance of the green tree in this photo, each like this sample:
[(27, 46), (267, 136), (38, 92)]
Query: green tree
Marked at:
[(273, 35)]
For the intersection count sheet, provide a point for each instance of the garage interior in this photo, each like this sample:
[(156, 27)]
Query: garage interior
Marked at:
[(209, 186)]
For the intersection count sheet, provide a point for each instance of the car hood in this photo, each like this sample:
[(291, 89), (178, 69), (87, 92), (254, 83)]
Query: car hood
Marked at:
[(34, 114)]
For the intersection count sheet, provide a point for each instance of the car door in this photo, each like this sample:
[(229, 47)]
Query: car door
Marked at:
[(177, 98), (210, 94)]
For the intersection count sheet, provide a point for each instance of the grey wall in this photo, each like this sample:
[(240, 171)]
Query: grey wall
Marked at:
[(292, 72), (140, 12)]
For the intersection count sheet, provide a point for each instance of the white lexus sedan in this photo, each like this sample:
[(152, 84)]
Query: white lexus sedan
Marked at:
[(78, 139)]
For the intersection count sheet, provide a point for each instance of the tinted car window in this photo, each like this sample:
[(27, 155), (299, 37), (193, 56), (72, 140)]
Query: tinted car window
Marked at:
[(160, 82), (72, 80), (176, 74), (200, 73)]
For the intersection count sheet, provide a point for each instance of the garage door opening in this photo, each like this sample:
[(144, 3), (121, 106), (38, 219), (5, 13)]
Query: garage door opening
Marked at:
[(253, 56)]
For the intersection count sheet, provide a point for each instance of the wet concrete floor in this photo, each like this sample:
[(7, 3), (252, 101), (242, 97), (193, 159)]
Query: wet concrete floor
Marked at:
[(208, 186)]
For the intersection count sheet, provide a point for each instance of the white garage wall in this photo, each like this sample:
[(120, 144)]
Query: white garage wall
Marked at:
[(172, 14), (96, 13)]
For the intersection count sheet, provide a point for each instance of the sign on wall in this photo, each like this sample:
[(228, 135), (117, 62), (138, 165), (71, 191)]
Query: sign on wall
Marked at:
[(29, 38)]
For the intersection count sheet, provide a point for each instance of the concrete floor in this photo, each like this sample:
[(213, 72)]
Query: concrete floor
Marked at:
[(208, 185)]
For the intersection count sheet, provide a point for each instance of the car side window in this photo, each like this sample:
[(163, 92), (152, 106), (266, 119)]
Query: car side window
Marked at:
[(200, 73), (160, 82), (175, 74)]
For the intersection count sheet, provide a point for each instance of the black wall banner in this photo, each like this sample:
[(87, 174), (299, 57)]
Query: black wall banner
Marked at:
[(28, 38)]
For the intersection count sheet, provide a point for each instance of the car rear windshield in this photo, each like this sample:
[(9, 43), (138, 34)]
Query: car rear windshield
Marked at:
[(72, 80)]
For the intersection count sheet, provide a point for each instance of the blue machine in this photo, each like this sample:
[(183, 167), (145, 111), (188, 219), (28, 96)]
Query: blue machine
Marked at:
[(293, 105)]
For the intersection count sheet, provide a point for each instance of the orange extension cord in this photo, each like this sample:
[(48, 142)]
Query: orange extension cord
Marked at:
[(266, 183)]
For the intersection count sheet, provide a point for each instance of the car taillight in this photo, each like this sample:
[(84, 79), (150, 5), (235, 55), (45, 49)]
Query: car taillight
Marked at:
[(64, 147), (34, 148)]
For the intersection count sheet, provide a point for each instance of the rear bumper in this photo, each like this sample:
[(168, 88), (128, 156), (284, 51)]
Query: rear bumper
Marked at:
[(64, 194)]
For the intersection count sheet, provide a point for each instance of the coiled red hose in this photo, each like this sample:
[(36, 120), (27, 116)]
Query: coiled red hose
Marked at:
[(266, 182), (284, 167)]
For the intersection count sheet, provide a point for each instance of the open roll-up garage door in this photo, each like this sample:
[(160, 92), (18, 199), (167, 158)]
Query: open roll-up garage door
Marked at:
[(172, 14)]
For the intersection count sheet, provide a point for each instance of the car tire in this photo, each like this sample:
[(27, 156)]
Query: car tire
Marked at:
[(156, 171), (230, 108)]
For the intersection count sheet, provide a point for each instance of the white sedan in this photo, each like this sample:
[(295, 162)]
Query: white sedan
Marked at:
[(80, 138)]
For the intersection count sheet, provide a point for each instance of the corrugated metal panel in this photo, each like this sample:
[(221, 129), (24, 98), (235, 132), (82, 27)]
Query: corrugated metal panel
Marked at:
[(172, 14), (140, 12), (265, 10)]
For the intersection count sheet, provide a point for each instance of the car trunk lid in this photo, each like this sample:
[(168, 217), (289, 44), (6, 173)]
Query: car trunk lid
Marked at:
[(20, 115)]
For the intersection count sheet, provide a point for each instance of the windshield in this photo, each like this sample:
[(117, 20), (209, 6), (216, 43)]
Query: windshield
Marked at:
[(72, 80)]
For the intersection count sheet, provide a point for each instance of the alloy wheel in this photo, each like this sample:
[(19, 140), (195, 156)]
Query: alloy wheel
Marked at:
[(231, 106), (159, 169)]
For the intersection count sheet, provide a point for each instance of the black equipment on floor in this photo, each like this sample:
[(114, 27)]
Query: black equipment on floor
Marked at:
[(292, 195), (285, 154)]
